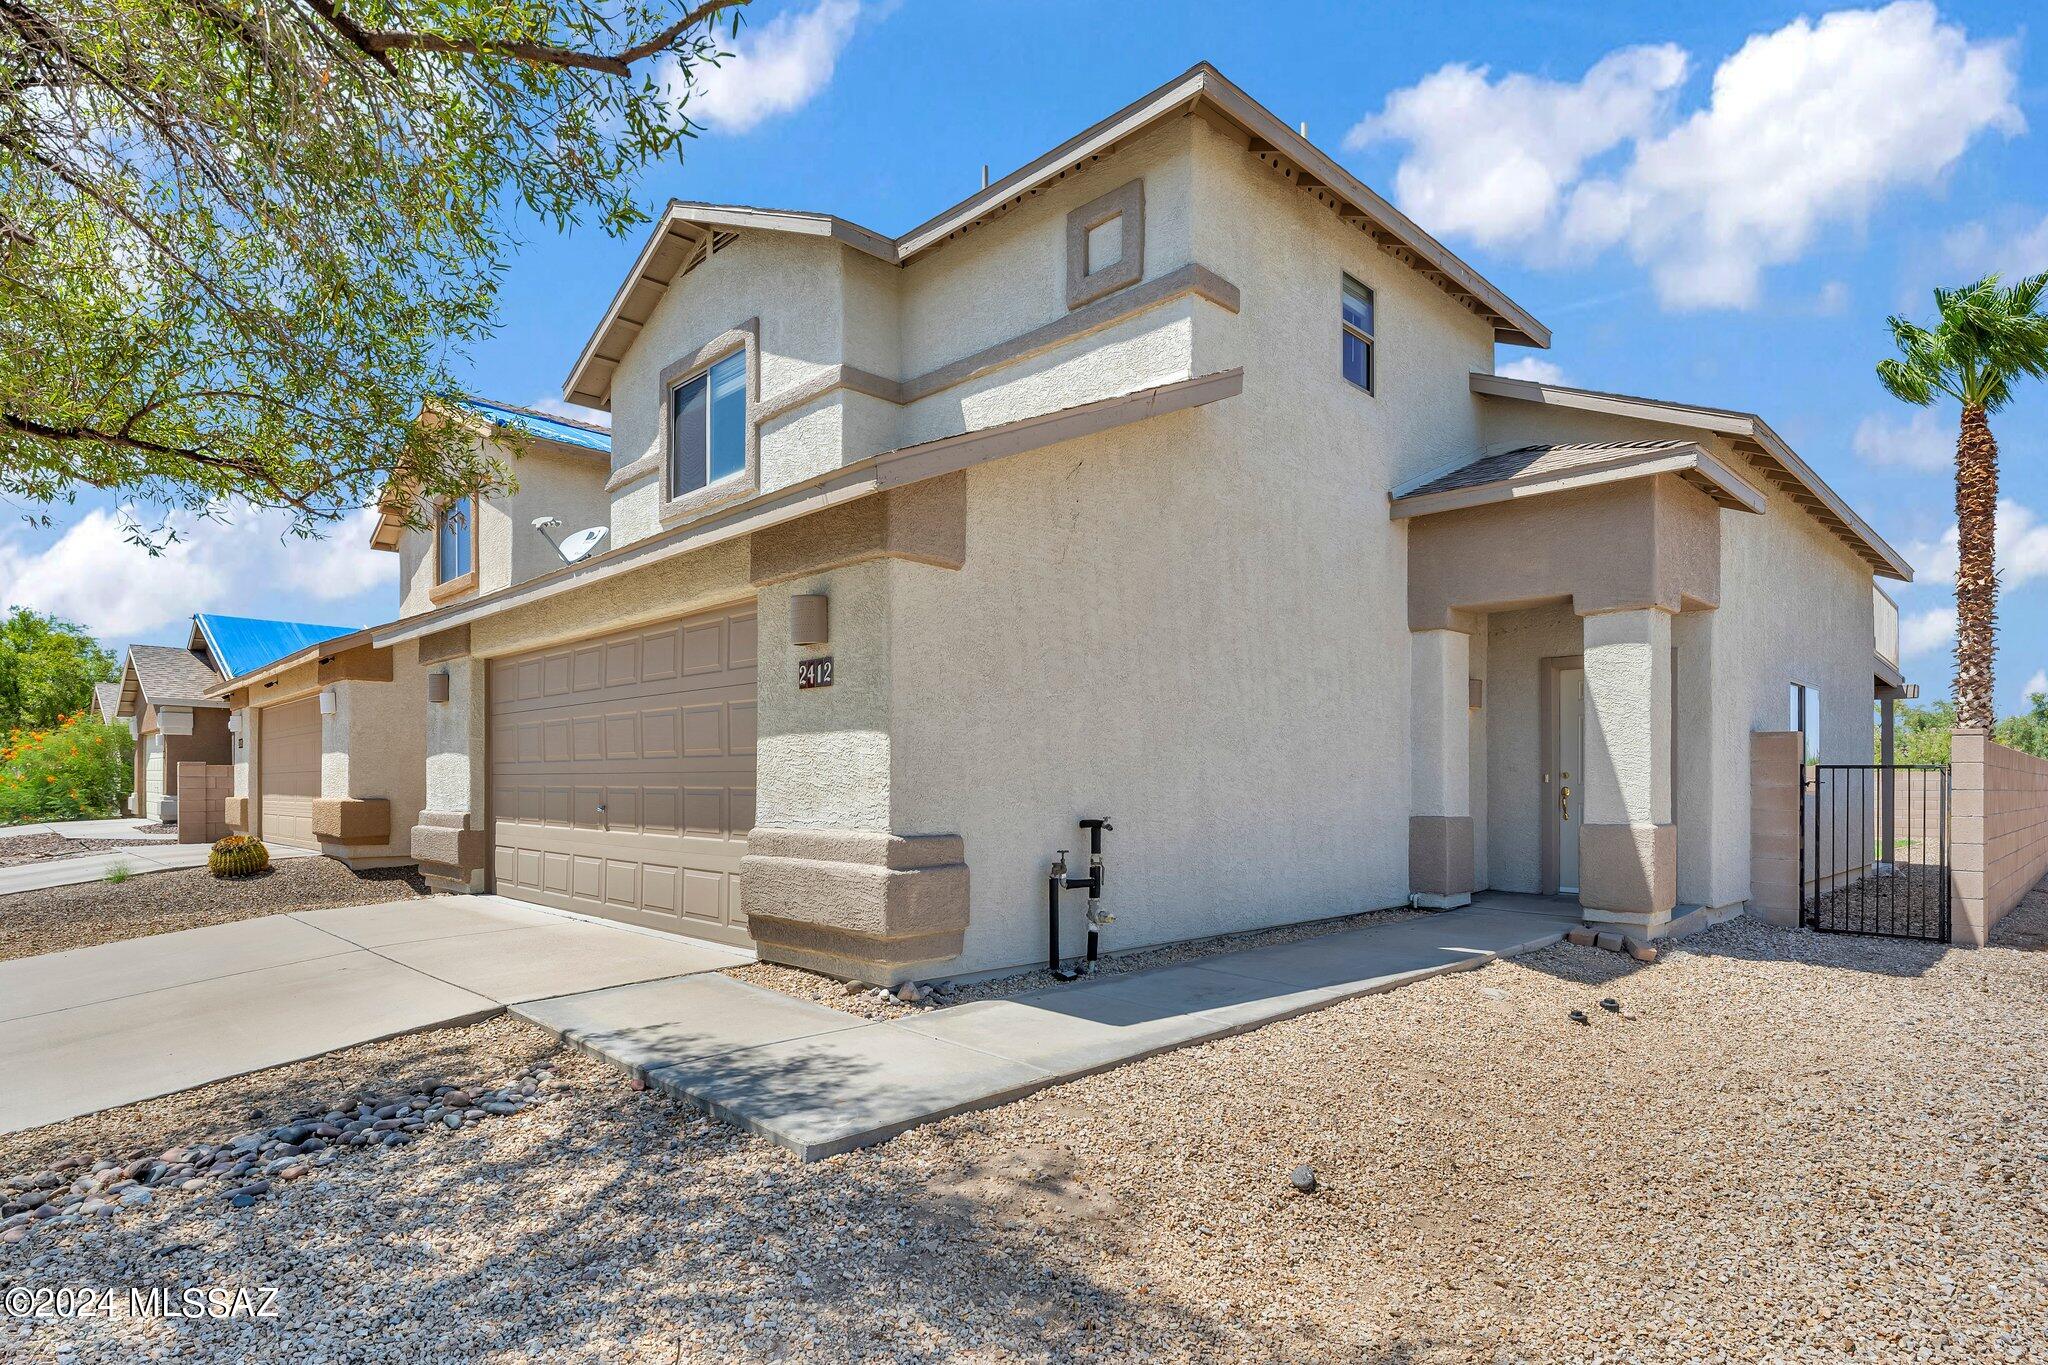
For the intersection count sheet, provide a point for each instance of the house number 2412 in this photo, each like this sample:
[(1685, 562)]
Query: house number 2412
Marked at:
[(814, 673)]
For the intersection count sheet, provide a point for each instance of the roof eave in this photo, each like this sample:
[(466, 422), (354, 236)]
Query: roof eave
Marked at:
[(1884, 561)]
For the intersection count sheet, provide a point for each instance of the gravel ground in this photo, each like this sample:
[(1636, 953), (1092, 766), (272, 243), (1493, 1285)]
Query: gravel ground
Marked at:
[(16, 849), (79, 916), (1801, 1147), (863, 1001), (1904, 901)]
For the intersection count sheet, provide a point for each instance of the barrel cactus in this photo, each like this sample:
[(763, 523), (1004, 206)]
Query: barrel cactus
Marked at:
[(238, 856)]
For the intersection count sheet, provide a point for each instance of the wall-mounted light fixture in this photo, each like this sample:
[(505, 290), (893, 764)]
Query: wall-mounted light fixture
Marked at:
[(437, 685), (1476, 693), (235, 723), (329, 703), (810, 619)]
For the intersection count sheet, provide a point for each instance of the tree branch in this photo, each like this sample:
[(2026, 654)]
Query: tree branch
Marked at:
[(378, 42)]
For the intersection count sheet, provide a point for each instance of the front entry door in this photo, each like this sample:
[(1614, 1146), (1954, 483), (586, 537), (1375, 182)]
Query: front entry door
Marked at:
[(1567, 792)]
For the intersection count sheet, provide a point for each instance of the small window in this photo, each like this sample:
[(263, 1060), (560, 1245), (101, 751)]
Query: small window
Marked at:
[(1358, 334), (452, 542), (1805, 721), (1105, 244), (708, 439)]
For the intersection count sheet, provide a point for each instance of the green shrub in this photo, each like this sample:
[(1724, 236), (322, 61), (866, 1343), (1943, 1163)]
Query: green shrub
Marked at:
[(237, 856), (78, 769)]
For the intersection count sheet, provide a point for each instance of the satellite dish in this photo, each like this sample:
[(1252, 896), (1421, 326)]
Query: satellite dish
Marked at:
[(581, 544)]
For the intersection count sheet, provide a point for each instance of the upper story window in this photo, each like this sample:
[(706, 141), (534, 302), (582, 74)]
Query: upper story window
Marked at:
[(454, 541), (1358, 334), (708, 427)]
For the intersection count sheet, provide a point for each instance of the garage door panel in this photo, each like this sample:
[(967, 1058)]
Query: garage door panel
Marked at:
[(657, 726), (288, 771)]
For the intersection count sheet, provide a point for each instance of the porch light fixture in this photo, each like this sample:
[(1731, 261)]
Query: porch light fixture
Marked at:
[(437, 685), (328, 701), (810, 618)]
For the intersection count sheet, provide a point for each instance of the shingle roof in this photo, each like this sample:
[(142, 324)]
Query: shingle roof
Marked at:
[(1531, 462), (243, 644), (167, 673), (107, 698)]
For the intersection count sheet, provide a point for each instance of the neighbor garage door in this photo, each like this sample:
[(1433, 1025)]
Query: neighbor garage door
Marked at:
[(622, 774), (288, 770), (152, 775)]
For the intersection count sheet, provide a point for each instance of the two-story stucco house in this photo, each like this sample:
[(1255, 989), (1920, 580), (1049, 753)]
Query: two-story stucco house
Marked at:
[(1166, 479)]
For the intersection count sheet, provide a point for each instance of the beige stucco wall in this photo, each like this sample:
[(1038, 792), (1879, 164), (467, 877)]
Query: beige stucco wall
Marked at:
[(373, 746), (1169, 624), (552, 482)]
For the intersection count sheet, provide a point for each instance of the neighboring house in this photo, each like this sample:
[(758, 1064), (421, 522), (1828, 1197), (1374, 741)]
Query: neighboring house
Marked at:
[(165, 693), (106, 701), (164, 697), (332, 752), (1165, 479)]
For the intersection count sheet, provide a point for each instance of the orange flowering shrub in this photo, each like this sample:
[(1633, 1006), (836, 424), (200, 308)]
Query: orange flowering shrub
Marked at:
[(78, 769)]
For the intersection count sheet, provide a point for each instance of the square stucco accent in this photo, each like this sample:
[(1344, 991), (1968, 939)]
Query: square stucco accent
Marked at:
[(237, 814), (1440, 855), (345, 820), (1126, 202), (852, 903), (925, 522), (446, 846), (1628, 873)]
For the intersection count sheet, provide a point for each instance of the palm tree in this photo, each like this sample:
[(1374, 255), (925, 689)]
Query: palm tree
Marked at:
[(1987, 338)]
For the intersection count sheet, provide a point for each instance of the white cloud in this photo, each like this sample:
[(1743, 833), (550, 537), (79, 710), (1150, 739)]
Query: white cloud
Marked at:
[(1532, 367), (2012, 246), (1805, 127), (2021, 549), (2037, 683), (1923, 632), (1493, 159), (1920, 440), (555, 407), (1833, 299), (774, 69), (93, 575)]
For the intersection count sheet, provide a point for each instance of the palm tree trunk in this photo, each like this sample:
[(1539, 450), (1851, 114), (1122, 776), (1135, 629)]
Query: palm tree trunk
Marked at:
[(1976, 567)]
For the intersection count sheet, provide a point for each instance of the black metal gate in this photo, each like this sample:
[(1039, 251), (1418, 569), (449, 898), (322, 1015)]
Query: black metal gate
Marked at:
[(1873, 849)]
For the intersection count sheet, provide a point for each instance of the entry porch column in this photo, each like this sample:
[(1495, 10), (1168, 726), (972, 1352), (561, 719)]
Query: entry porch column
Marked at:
[(1628, 846), (1440, 777)]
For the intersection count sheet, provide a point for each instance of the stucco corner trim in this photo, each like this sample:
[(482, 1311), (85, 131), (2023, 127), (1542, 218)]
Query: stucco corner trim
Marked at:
[(855, 903), (352, 820)]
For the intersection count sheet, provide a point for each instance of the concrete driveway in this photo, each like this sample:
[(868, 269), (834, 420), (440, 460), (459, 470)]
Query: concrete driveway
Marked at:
[(98, 1027)]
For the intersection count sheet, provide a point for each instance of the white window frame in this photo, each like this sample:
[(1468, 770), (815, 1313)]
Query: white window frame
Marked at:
[(1366, 337)]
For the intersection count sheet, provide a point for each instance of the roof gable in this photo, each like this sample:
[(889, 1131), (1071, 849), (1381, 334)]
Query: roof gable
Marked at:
[(688, 233), (165, 675)]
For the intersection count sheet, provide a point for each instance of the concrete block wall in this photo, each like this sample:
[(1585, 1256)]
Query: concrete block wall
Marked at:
[(1774, 795), (203, 790), (1998, 831)]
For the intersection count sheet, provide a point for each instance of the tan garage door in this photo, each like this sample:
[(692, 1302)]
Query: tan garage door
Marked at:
[(152, 775), (288, 770), (622, 774)]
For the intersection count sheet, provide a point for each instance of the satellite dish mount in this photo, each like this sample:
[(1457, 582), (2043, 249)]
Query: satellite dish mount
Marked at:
[(576, 547)]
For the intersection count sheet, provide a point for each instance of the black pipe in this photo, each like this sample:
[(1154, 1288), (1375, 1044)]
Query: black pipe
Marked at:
[(1055, 882)]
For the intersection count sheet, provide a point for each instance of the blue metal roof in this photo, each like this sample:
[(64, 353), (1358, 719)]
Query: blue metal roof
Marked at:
[(562, 430), (242, 644)]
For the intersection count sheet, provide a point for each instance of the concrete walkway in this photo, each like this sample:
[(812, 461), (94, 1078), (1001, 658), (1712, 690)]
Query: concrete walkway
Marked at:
[(98, 1027), (821, 1082), (121, 827), (93, 867)]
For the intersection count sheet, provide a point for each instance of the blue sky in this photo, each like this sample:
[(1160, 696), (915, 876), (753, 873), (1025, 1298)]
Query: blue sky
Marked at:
[(1714, 204)]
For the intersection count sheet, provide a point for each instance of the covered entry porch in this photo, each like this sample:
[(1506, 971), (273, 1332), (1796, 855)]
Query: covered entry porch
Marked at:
[(1560, 601)]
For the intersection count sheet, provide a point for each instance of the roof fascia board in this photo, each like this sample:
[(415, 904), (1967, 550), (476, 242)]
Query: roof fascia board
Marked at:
[(671, 217), (789, 220), (891, 469), (1746, 425), (1592, 475)]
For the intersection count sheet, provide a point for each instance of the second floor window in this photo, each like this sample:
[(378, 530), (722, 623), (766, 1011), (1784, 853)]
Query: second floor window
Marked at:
[(1358, 334), (452, 542), (708, 429)]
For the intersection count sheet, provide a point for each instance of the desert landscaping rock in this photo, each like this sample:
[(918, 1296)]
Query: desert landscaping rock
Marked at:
[(64, 917), (1807, 1148)]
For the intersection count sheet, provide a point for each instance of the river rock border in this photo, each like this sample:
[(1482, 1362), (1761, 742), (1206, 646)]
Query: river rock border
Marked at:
[(249, 1167)]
